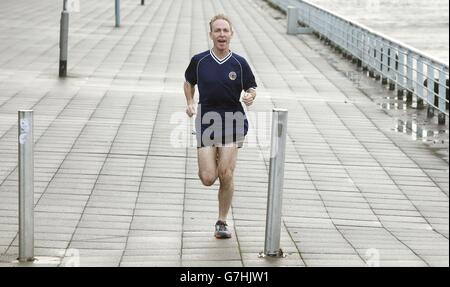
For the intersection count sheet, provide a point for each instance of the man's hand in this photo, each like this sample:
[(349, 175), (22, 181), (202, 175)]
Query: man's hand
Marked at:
[(248, 98), (191, 110)]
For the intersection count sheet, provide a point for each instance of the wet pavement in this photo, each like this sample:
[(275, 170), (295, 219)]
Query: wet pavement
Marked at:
[(407, 117), (112, 189)]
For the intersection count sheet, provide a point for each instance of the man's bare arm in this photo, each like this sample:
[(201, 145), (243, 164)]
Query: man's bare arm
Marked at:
[(189, 92)]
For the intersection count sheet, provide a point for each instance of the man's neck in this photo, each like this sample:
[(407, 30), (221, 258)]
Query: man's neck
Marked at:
[(221, 53)]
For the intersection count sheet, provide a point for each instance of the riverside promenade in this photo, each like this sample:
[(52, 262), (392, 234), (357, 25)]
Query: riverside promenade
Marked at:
[(112, 187)]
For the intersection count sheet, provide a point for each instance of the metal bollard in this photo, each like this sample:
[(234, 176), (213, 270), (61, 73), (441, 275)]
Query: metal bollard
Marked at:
[(276, 178), (117, 9), (292, 18), (26, 186), (142, 2), (63, 42)]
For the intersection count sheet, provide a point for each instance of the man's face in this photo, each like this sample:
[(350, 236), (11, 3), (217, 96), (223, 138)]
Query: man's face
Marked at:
[(221, 35)]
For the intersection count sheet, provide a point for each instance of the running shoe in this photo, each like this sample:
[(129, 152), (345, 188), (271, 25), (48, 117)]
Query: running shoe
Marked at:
[(222, 231)]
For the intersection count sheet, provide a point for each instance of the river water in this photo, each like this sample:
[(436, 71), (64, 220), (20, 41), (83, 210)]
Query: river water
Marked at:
[(422, 24)]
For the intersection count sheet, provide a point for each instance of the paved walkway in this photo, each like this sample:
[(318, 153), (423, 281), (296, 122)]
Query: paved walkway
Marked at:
[(111, 188)]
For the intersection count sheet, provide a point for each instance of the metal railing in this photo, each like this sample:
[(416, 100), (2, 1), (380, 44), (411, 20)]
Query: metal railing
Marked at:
[(284, 4), (406, 68)]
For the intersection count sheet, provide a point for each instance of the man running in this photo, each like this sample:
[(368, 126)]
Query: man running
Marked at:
[(221, 123)]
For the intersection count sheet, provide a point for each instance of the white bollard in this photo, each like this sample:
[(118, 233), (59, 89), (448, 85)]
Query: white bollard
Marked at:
[(26, 186), (276, 178)]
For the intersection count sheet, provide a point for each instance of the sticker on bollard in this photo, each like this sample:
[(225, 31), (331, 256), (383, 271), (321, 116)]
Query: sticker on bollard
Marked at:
[(24, 130), (72, 6)]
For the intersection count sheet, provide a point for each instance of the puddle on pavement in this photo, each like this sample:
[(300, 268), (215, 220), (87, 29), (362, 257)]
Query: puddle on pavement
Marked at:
[(395, 103), (355, 77), (421, 132), (414, 122), (395, 106)]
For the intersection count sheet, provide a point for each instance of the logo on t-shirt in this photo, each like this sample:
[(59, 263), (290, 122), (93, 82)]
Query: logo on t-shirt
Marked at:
[(232, 76)]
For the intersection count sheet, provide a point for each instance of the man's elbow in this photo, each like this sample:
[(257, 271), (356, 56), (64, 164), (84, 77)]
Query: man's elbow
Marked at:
[(188, 85)]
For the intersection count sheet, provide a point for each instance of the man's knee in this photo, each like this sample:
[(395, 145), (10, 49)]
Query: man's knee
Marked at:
[(226, 175), (208, 178)]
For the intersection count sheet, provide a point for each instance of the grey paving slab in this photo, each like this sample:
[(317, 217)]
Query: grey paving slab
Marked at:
[(159, 263), (110, 185)]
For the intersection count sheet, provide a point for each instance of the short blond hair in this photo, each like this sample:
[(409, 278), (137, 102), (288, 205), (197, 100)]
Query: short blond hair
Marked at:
[(219, 17)]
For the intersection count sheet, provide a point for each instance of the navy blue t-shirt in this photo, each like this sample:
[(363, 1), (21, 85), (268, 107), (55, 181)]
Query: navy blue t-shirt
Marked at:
[(220, 83)]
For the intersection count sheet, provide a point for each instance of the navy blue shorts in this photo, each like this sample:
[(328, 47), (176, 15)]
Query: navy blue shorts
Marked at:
[(221, 127)]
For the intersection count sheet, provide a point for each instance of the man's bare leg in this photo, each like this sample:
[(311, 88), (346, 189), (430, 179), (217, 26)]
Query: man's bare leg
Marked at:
[(207, 165), (226, 166)]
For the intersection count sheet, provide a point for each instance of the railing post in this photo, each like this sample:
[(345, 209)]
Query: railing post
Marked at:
[(351, 55), (372, 59), (430, 86), (348, 44), (365, 51), (334, 33), (117, 12), (409, 77), (378, 59), (63, 40), (361, 45), (276, 178), (384, 70), (401, 73), (420, 85), (391, 71), (351, 42), (354, 50), (443, 82), (26, 186), (328, 30), (345, 50), (292, 18)]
